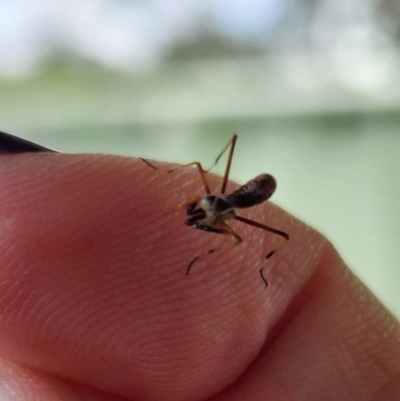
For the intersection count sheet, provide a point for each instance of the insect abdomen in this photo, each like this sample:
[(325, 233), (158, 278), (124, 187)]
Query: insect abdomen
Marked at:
[(254, 192)]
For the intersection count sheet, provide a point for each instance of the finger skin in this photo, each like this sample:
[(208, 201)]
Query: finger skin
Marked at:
[(20, 383), (93, 290), (335, 341)]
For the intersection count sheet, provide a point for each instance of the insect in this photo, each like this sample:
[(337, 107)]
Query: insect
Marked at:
[(208, 212), (211, 212)]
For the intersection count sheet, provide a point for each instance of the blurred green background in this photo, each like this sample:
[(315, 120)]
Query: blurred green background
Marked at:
[(312, 87)]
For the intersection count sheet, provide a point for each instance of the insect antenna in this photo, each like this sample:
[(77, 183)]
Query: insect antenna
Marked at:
[(282, 234)]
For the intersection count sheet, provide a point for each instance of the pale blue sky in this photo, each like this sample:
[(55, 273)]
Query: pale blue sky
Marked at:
[(130, 34)]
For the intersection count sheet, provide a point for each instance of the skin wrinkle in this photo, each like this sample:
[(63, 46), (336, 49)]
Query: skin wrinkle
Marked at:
[(87, 321), (347, 348), (15, 300), (134, 325), (68, 305), (118, 332), (51, 322), (27, 311), (370, 340), (56, 290), (8, 253), (351, 364), (28, 384), (386, 389), (290, 315), (296, 298), (7, 293)]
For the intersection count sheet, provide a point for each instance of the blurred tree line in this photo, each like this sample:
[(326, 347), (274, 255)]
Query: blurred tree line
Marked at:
[(305, 25)]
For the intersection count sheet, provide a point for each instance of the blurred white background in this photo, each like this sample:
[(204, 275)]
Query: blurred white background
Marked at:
[(311, 87)]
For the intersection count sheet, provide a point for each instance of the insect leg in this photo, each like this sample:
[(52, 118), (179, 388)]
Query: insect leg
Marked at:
[(197, 164), (230, 144), (222, 229), (228, 164), (201, 172), (271, 230), (148, 163), (183, 205), (233, 139)]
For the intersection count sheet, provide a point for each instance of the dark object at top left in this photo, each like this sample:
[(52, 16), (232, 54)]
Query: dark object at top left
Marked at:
[(14, 144)]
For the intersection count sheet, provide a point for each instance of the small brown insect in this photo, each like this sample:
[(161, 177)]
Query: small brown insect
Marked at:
[(210, 212)]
